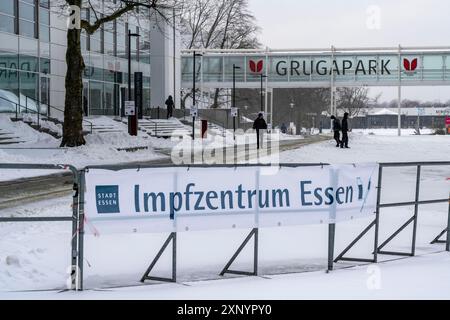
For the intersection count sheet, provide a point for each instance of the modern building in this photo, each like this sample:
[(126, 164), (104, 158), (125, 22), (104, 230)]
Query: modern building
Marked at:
[(33, 49)]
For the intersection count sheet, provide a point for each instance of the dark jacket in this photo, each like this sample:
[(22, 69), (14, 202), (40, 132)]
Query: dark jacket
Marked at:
[(336, 125), (345, 125), (169, 104), (260, 124)]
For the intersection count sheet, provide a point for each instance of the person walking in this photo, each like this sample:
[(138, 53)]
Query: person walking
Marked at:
[(345, 129), (336, 130), (259, 125), (170, 106)]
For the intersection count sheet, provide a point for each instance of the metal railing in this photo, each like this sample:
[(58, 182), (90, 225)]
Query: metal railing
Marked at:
[(78, 219), (377, 248), (19, 107), (74, 218)]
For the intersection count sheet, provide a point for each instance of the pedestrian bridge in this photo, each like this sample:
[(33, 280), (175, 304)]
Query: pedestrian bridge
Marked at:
[(314, 68)]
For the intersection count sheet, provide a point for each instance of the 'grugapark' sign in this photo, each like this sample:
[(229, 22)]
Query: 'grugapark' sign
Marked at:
[(199, 198)]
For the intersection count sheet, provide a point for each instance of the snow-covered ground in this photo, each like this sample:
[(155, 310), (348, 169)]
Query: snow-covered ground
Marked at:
[(375, 148), (101, 148), (36, 256)]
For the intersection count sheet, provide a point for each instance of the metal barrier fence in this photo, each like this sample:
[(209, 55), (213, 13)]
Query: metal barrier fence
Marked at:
[(376, 223), (75, 279), (78, 218)]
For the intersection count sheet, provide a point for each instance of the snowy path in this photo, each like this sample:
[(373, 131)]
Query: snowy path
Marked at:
[(423, 277), (36, 256)]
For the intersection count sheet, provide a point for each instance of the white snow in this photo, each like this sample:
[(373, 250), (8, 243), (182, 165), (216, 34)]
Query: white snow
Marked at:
[(101, 148), (36, 256), (374, 148)]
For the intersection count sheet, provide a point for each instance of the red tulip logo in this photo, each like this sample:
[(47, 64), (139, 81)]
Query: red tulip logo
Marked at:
[(410, 66), (256, 66)]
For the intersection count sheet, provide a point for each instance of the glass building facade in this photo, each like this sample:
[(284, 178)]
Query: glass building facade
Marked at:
[(33, 49)]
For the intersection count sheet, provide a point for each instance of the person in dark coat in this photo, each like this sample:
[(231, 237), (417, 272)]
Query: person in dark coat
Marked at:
[(85, 106), (259, 125), (170, 105), (345, 129), (336, 130), (283, 128)]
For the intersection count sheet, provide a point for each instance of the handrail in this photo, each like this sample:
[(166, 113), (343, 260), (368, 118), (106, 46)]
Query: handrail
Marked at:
[(38, 103), (60, 110)]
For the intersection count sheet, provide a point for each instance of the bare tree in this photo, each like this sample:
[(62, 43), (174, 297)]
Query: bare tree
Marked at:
[(73, 114), (218, 24), (354, 100)]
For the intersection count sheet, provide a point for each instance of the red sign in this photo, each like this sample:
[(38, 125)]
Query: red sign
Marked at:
[(410, 66), (447, 120), (256, 66)]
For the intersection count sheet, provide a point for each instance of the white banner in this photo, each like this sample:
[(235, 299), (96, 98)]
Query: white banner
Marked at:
[(186, 199)]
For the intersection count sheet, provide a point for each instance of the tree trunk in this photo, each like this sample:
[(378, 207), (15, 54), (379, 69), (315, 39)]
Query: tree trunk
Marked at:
[(73, 110)]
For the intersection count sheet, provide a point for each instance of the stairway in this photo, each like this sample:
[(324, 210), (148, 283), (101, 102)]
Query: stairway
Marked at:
[(8, 138), (46, 125), (161, 128), (103, 124)]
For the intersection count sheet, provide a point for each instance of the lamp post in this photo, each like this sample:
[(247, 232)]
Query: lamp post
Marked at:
[(262, 92), (235, 67), (292, 109), (195, 54), (132, 120)]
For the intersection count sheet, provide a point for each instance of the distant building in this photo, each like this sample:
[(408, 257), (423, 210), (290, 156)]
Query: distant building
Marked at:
[(33, 48), (388, 117)]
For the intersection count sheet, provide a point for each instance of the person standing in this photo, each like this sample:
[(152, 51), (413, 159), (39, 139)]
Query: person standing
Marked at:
[(336, 130), (85, 106), (345, 129), (170, 106), (259, 125)]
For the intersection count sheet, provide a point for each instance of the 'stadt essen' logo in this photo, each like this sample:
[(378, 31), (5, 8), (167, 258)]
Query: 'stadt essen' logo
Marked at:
[(107, 199), (256, 66), (410, 66)]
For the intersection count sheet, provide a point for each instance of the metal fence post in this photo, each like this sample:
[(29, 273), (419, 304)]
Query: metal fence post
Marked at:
[(447, 245), (377, 214), (416, 211), (74, 273), (174, 257), (81, 228), (331, 238), (255, 252)]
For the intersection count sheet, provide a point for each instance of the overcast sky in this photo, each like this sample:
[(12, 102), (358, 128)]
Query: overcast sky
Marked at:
[(357, 23)]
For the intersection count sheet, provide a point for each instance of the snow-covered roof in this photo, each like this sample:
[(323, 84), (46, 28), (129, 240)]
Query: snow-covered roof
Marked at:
[(383, 112)]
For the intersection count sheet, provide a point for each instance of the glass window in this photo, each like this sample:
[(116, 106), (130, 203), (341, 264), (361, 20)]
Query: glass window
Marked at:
[(213, 69), (26, 28), (433, 67), (9, 60), (6, 23), (109, 99), (28, 85), (228, 68), (28, 63), (45, 65), (45, 91), (96, 46), (7, 6), (95, 95), (44, 33), (26, 11), (44, 16), (9, 82), (45, 3)]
